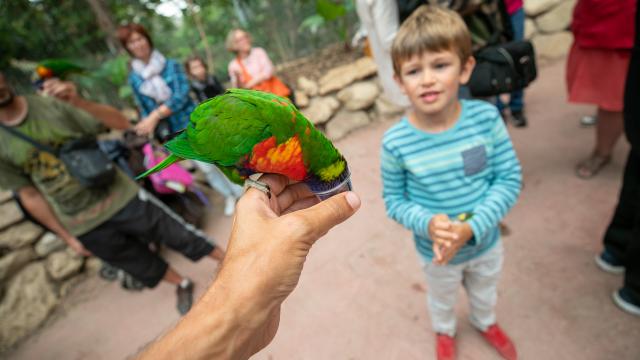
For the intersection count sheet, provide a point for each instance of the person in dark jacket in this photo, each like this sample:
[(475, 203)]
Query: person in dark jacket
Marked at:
[(203, 84), (621, 252)]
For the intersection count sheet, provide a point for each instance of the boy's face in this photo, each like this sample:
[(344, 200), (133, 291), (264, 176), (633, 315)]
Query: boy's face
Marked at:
[(431, 80)]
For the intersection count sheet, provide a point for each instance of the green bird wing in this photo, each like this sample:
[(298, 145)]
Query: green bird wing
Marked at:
[(225, 129), (275, 112), (181, 146), (61, 67)]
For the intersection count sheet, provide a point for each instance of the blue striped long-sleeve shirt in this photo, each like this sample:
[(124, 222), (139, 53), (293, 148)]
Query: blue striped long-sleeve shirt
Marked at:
[(180, 102), (470, 167)]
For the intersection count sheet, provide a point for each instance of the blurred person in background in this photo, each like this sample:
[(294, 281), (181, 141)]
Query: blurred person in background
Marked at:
[(515, 105), (252, 68), (621, 252), (380, 19), (116, 222), (161, 90), (603, 37)]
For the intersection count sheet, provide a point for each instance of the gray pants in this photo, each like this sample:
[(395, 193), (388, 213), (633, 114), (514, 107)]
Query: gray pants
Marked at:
[(479, 277), (218, 180)]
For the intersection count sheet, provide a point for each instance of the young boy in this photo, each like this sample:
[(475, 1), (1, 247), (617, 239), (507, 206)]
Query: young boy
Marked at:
[(445, 159)]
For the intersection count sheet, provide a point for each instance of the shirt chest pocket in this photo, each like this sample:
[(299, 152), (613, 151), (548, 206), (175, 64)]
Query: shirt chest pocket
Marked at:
[(474, 160)]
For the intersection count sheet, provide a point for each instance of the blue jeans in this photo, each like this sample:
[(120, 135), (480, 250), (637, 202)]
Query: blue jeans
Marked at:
[(516, 102)]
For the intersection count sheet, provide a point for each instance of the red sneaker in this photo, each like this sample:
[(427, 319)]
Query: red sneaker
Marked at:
[(445, 347), (501, 342)]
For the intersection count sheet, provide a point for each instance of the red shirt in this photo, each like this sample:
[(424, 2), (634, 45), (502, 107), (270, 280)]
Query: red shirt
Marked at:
[(605, 24), (513, 6)]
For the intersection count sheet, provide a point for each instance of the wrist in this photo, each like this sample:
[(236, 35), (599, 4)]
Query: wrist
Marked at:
[(67, 238), (467, 231), (155, 116), (245, 292)]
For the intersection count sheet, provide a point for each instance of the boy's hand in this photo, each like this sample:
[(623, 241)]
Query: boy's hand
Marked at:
[(441, 233), (463, 233)]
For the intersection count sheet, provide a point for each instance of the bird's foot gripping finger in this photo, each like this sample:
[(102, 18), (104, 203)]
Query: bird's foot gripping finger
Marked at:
[(258, 185)]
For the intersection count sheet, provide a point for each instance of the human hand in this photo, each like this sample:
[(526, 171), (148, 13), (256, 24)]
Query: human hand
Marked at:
[(62, 90), (458, 233), (270, 238), (147, 125), (440, 234), (240, 81), (77, 246)]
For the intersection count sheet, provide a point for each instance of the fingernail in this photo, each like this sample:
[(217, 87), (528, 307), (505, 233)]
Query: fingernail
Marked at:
[(353, 200)]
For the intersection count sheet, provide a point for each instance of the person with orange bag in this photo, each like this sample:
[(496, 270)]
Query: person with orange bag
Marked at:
[(252, 68)]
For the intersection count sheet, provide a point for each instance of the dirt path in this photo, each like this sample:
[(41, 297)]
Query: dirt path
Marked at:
[(362, 294)]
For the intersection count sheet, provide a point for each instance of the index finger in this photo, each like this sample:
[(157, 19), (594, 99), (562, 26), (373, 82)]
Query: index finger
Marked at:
[(276, 183)]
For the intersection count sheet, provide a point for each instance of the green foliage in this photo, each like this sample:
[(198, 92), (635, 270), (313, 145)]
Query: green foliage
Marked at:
[(33, 30), (330, 14), (330, 10), (313, 23), (115, 70)]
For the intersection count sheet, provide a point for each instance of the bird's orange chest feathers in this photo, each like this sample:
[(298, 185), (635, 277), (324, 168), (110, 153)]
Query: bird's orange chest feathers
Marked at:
[(44, 72), (286, 158)]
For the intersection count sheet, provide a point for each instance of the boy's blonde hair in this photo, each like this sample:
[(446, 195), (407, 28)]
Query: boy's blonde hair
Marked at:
[(430, 28)]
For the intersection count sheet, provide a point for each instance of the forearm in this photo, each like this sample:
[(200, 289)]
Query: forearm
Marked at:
[(230, 321), (162, 111), (108, 115), (39, 208), (411, 215), (499, 200)]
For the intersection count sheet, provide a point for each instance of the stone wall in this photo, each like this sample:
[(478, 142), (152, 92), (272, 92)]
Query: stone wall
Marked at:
[(36, 270), (547, 25), (347, 97)]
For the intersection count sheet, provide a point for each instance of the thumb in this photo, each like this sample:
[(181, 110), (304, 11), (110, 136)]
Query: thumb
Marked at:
[(329, 213)]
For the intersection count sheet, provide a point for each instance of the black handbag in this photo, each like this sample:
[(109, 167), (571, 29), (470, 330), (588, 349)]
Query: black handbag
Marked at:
[(82, 157), (503, 68)]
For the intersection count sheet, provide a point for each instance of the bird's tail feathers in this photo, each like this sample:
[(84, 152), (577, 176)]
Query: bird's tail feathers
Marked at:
[(169, 160)]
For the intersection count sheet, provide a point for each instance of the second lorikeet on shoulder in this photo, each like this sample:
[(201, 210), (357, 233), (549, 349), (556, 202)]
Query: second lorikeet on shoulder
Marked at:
[(59, 68), (246, 131)]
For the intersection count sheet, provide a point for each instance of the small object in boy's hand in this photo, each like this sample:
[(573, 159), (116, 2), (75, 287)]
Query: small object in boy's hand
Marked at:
[(464, 216)]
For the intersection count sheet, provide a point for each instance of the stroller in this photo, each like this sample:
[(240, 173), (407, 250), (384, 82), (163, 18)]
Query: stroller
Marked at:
[(175, 186)]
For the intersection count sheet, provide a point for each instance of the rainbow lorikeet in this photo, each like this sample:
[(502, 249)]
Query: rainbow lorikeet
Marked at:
[(246, 131), (59, 68)]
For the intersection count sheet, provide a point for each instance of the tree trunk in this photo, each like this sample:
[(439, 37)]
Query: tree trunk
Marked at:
[(106, 24), (241, 15), (203, 36)]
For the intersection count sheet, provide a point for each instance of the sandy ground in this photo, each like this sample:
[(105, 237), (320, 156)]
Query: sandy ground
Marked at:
[(362, 293)]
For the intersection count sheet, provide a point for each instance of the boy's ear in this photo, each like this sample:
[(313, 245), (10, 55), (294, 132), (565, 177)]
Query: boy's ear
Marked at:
[(467, 69), (398, 81)]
